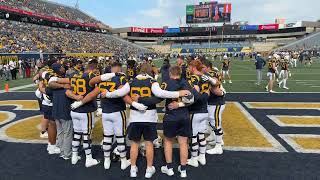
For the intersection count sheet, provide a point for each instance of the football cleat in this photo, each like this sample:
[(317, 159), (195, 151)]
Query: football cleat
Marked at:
[(91, 162), (107, 163), (224, 82), (271, 91), (183, 173), (216, 150), (202, 159), (133, 171), (230, 82), (150, 172), (75, 158), (286, 88), (193, 161), (165, 170), (125, 163)]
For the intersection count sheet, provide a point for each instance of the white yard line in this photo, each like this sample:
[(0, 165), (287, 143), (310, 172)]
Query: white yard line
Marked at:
[(18, 88)]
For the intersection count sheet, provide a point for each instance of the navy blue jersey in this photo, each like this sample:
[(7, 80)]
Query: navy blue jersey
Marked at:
[(284, 65), (110, 105), (185, 74), (175, 85), (225, 65), (270, 66), (142, 87), (61, 105), (201, 98), (131, 73), (165, 73), (214, 99), (45, 82), (80, 86)]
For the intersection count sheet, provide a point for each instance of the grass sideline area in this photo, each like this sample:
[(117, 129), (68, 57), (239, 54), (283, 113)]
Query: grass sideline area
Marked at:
[(243, 74)]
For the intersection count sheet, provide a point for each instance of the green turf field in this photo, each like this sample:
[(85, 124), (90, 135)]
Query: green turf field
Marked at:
[(15, 83), (243, 73)]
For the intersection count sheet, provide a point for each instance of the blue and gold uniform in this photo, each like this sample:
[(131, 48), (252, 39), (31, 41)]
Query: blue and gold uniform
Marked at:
[(214, 99), (48, 96), (201, 98), (225, 65), (109, 105), (113, 117), (143, 124), (131, 73), (80, 86), (270, 66), (199, 116), (216, 106), (176, 122)]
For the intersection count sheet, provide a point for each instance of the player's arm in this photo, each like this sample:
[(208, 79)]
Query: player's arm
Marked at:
[(104, 77), (53, 84), (89, 97), (120, 92), (42, 88), (139, 106), (73, 96), (160, 93), (35, 79)]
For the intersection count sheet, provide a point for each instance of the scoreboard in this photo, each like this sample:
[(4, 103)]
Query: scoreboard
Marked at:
[(209, 12)]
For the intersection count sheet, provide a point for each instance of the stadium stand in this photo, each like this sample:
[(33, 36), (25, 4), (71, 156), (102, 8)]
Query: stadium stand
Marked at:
[(309, 42), (19, 37), (51, 9)]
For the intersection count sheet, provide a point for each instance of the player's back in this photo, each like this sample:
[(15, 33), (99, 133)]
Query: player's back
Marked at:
[(175, 85), (141, 85), (213, 98), (200, 105), (110, 105), (80, 86)]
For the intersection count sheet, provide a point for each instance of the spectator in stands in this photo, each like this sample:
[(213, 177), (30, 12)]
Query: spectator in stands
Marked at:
[(260, 63)]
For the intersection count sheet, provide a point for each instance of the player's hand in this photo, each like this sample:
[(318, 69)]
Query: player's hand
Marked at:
[(79, 98), (139, 106), (66, 86), (76, 105), (173, 105), (135, 97), (184, 93), (103, 94)]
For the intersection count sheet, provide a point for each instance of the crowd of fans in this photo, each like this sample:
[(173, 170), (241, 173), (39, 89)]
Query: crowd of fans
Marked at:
[(50, 9), (17, 37)]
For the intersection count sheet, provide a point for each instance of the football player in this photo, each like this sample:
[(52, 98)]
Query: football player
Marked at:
[(176, 122), (216, 106), (131, 69), (199, 114), (114, 116), (144, 89), (226, 64), (184, 67), (271, 74), (284, 74), (46, 105), (83, 109)]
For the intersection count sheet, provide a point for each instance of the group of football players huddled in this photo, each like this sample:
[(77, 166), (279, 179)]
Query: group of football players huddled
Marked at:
[(194, 101)]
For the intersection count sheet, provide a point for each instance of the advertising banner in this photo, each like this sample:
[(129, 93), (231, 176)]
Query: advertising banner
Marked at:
[(269, 27)]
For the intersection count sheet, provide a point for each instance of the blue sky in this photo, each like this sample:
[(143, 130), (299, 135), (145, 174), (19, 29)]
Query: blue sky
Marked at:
[(158, 13)]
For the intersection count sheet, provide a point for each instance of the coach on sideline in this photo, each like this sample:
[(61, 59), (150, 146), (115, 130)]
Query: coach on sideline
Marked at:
[(260, 63)]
